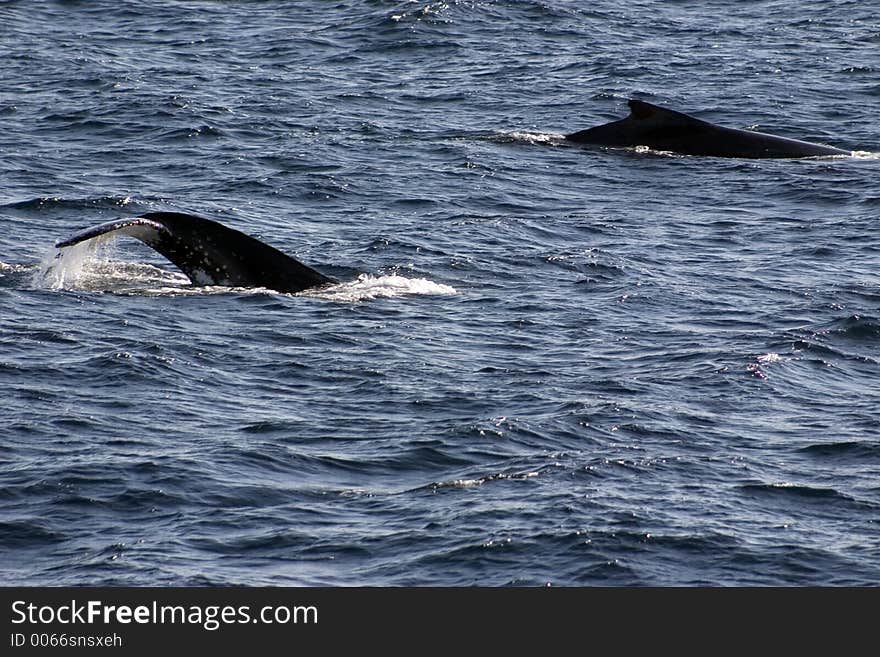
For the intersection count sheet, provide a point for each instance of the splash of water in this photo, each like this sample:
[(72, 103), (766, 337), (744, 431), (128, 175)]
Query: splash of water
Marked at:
[(523, 137), (367, 287), (69, 267), (88, 266)]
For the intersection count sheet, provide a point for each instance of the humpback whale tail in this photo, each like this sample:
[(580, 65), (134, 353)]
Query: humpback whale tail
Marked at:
[(662, 129), (210, 253)]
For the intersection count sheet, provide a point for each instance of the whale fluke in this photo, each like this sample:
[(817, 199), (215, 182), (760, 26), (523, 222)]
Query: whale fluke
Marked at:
[(662, 129), (210, 253)]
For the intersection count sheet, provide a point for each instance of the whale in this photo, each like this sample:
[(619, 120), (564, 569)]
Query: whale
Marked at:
[(662, 129), (209, 253)]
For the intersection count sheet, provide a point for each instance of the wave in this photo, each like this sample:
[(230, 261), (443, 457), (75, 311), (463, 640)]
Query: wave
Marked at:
[(42, 203), (850, 338), (18, 534), (478, 481), (758, 366), (854, 451), (857, 328), (803, 494)]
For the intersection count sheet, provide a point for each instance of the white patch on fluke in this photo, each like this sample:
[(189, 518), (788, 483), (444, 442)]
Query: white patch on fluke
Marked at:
[(368, 287), (202, 277)]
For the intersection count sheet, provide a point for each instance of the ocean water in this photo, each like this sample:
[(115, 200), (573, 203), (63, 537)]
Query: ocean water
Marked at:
[(545, 364)]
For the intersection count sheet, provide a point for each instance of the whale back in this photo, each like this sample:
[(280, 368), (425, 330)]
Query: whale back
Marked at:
[(663, 129)]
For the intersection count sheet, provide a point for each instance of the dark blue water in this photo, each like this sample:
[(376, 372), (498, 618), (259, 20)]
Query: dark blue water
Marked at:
[(545, 363)]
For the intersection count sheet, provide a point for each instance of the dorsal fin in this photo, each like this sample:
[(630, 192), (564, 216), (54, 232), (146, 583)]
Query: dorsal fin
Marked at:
[(641, 111)]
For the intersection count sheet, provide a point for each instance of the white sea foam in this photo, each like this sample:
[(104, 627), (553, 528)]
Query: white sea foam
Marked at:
[(525, 137), (367, 287)]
